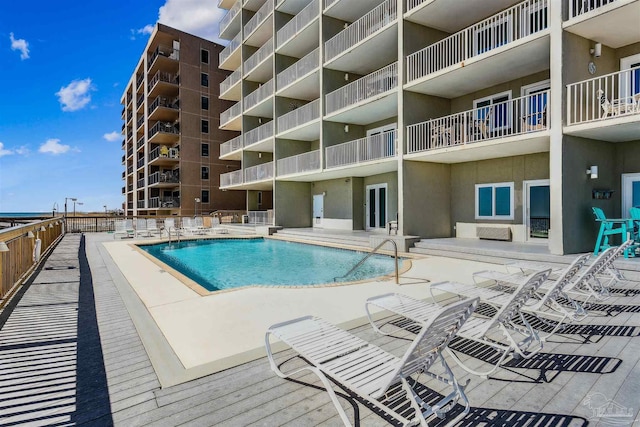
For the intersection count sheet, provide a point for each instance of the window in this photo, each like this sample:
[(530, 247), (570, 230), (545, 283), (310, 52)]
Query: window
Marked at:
[(205, 102), (204, 79), (259, 198), (205, 172), (204, 56), (495, 111), (534, 107), (204, 198), (205, 126), (494, 201), (204, 150)]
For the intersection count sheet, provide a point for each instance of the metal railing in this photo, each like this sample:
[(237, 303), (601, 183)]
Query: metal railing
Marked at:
[(231, 145), (231, 178), (500, 120), (298, 22), (139, 122), (231, 113), (328, 3), (164, 127), (163, 101), (259, 134), (162, 76), (164, 202), (257, 19), (376, 19), (169, 154), (579, 7), (139, 101), (374, 147), (231, 13), (140, 142), (376, 83), (304, 162), (140, 204), (612, 95), (366, 257), (263, 92), (166, 51), (299, 116), (302, 67), (170, 177), (231, 80), (261, 217), (140, 163), (140, 183), (513, 24), (231, 47), (260, 55), (258, 172)]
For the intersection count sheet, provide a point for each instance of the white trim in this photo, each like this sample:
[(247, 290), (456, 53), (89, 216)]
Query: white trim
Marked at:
[(382, 129), (627, 194), (377, 188), (493, 208), (535, 87), (491, 98), (317, 222), (625, 64), (526, 204)]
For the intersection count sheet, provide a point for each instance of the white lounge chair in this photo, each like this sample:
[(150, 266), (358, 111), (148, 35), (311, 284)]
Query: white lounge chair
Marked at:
[(141, 228), (216, 228), (124, 227), (373, 373), (170, 227), (152, 226)]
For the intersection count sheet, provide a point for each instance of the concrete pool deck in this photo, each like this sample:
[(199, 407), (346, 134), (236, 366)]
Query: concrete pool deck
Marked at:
[(189, 335)]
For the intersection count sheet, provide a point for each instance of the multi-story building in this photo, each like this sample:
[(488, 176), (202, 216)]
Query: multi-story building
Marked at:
[(171, 132), (453, 116)]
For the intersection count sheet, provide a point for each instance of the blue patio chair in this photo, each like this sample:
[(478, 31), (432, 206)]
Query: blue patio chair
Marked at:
[(635, 218), (611, 227)]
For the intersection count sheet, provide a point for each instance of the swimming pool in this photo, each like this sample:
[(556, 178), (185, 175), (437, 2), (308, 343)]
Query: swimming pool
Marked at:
[(218, 264)]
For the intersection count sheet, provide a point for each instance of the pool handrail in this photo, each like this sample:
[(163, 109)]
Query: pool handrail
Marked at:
[(395, 256)]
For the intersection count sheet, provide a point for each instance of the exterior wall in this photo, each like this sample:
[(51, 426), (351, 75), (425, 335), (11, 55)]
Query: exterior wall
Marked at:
[(427, 207), (293, 203)]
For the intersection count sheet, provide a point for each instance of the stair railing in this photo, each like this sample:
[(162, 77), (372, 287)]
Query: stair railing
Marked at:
[(395, 256)]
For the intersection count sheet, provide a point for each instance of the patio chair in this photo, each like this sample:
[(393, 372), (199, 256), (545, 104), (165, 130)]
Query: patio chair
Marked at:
[(372, 373), (609, 227), (187, 226), (614, 108), (634, 213), (170, 227), (152, 226), (480, 129), (198, 224), (535, 121), (216, 228), (141, 228), (123, 227)]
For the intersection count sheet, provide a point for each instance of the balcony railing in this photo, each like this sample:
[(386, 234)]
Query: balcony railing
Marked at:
[(231, 145), (258, 95), (231, 47), (231, 178), (163, 101), (328, 3), (140, 142), (500, 120), (164, 202), (365, 26), (579, 7), (139, 80), (139, 122), (164, 127), (374, 147), (306, 64), (164, 152), (376, 83), (234, 111), (171, 177), (258, 172), (297, 23), (140, 204), (299, 116), (232, 13), (260, 55), (513, 24), (139, 101), (166, 51), (140, 163), (140, 183), (162, 76), (258, 134), (231, 80), (260, 217), (304, 162), (613, 95), (258, 18)]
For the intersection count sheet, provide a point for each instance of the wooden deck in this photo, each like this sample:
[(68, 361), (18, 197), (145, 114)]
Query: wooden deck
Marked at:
[(70, 354)]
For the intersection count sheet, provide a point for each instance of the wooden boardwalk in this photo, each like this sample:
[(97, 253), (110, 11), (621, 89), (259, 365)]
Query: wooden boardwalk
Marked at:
[(70, 354)]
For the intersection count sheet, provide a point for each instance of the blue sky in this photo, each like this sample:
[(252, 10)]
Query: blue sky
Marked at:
[(64, 66)]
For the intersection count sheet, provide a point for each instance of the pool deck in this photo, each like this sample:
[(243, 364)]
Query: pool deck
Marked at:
[(81, 344)]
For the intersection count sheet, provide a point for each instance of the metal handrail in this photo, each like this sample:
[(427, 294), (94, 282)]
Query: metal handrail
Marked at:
[(395, 256)]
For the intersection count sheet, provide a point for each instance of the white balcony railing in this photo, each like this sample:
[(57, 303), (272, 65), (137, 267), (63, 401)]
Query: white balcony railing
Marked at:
[(301, 68), (258, 134), (231, 178), (231, 47), (232, 13), (365, 26), (260, 55), (260, 217), (299, 116), (513, 24), (258, 95), (304, 162), (613, 95), (231, 145), (374, 147), (376, 83), (297, 23), (579, 7), (328, 3), (504, 119), (258, 18), (231, 113), (231, 80), (258, 172)]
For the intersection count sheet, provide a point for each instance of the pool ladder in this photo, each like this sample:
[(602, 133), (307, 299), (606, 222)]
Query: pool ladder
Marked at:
[(177, 235), (395, 256)]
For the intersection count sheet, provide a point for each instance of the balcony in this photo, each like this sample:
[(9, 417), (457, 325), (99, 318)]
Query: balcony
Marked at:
[(167, 179), (259, 177), (230, 89), (230, 23), (350, 49), (260, 138), (163, 57), (451, 16), (164, 108), (139, 102), (129, 152), (164, 133), (231, 150), (301, 163), (302, 124), (140, 204), (164, 202), (123, 159), (515, 127), (231, 119), (164, 156), (257, 67), (140, 143), (605, 108), (140, 183), (614, 23), (302, 79), (226, 4), (230, 58), (259, 102), (163, 83), (515, 41), (140, 82), (129, 115), (231, 179), (367, 156), (300, 34), (258, 29), (348, 10), (369, 99), (140, 163), (139, 122)]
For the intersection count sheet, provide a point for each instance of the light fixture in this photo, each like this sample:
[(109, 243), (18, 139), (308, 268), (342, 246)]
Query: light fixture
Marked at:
[(30, 235), (346, 77), (346, 128), (593, 171), (42, 228), (596, 50), (50, 225), (4, 247)]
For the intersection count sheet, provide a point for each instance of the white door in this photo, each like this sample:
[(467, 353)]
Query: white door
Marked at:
[(630, 192), (318, 209), (630, 82), (537, 209), (376, 206)]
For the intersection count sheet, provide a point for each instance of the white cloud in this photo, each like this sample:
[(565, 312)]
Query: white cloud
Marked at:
[(112, 136), (76, 95), (193, 16), (146, 30), (22, 151), (21, 45), (53, 146), (3, 151)]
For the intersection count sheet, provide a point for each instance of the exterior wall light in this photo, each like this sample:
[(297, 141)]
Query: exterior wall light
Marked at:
[(593, 171)]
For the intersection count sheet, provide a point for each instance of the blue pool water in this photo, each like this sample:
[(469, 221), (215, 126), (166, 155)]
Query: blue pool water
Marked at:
[(231, 263)]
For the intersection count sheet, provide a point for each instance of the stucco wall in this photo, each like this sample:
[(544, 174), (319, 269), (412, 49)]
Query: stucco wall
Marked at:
[(427, 195), (293, 204)]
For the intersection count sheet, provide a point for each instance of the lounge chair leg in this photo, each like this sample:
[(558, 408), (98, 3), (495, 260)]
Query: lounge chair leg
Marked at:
[(484, 375)]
